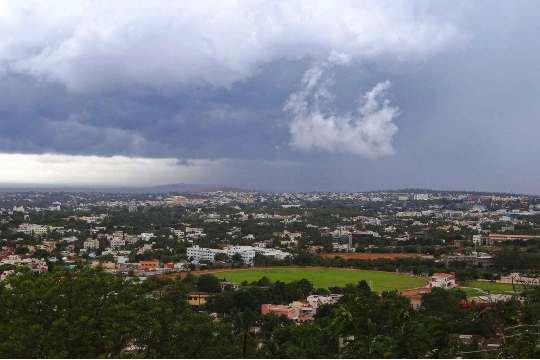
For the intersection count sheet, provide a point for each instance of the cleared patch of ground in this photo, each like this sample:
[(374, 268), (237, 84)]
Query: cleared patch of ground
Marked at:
[(369, 256)]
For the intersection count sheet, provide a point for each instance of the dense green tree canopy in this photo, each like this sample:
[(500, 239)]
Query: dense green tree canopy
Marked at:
[(90, 313)]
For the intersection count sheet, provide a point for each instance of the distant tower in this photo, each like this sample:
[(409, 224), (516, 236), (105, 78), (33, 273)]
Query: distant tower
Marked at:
[(350, 242), (132, 207)]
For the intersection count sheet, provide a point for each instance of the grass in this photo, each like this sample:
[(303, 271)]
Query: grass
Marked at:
[(492, 287), (470, 292), (326, 277)]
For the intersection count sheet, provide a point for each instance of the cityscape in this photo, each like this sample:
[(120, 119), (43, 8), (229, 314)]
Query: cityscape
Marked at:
[(295, 258)]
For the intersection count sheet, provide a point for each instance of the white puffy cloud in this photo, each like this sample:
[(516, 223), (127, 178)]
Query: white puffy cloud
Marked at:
[(103, 44), (367, 132)]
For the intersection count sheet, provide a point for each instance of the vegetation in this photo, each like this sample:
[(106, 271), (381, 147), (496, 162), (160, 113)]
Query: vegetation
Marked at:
[(469, 291), (492, 286), (89, 313), (327, 277)]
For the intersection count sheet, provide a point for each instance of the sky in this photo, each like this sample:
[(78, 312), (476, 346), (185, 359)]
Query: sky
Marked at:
[(272, 95)]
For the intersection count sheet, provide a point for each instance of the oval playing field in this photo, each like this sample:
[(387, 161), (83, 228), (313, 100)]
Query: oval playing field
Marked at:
[(326, 277)]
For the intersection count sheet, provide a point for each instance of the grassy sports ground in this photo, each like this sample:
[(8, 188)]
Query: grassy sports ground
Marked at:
[(491, 286), (326, 277)]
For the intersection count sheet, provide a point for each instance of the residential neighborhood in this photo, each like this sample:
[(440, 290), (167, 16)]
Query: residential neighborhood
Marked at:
[(296, 256)]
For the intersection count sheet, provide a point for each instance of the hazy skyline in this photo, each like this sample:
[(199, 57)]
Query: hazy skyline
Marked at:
[(297, 95)]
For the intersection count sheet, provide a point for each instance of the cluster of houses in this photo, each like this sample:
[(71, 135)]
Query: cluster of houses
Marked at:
[(301, 311), (12, 260), (517, 278), (141, 269)]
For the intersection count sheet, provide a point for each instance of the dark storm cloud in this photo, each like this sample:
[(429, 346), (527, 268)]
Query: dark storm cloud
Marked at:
[(195, 79), (37, 117)]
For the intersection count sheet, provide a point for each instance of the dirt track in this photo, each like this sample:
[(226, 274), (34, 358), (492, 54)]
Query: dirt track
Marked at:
[(369, 256)]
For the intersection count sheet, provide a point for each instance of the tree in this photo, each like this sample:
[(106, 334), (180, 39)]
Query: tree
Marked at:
[(21, 250), (221, 257), (208, 283), (237, 259), (83, 313), (442, 302)]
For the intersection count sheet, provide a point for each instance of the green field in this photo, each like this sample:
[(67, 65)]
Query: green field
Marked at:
[(492, 287), (326, 277), (470, 292)]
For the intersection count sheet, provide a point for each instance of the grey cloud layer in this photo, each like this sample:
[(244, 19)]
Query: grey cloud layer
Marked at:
[(96, 45), (171, 78)]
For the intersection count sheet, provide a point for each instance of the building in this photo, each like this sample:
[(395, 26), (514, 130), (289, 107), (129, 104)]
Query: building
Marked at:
[(131, 239), (198, 253), (477, 240), (194, 233), (132, 207), (105, 265), (275, 253), (117, 242), (443, 280), (48, 245), (145, 265), (495, 238), (415, 296), (315, 301), (296, 311), (33, 229), (36, 265), (91, 244), (197, 298), (146, 236), (179, 234), (246, 252), (278, 310), (475, 258), (517, 278)]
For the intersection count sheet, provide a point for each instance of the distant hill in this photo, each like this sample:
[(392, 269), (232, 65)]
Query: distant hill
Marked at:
[(198, 188), (192, 188), (169, 188)]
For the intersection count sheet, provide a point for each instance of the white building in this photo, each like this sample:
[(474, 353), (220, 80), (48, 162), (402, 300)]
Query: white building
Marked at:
[(317, 300), (146, 236), (275, 253), (179, 234), (246, 252), (33, 229), (69, 239), (443, 280), (198, 253), (132, 207)]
